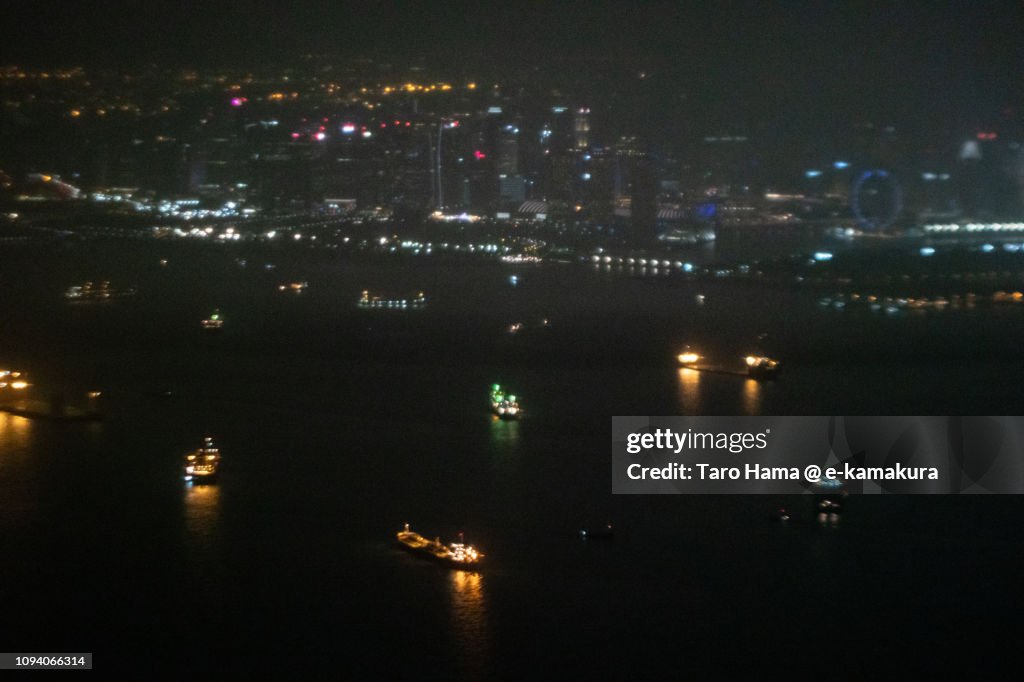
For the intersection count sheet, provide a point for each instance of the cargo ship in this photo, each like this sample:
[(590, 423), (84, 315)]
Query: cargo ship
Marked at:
[(203, 464), (88, 292), (454, 555), (368, 300), (505, 405)]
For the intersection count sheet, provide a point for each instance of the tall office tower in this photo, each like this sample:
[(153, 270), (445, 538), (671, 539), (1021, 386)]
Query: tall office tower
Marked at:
[(581, 128), (557, 134), (507, 152)]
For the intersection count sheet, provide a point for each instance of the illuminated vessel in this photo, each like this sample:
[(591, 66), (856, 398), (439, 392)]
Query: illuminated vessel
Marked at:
[(88, 292), (688, 358), (503, 404), (13, 380), (294, 287), (202, 464), (761, 367), (757, 366), (213, 322), (368, 300), (454, 555)]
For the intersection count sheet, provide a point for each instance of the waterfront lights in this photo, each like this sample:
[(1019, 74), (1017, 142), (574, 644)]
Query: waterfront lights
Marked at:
[(688, 358), (975, 227)]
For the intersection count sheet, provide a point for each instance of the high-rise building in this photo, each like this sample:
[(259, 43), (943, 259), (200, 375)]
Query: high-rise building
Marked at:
[(507, 152), (512, 189), (581, 128)]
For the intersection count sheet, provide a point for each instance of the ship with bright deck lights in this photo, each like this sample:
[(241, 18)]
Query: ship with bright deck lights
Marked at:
[(368, 300), (203, 464), (454, 555), (88, 292), (503, 404), (757, 366)]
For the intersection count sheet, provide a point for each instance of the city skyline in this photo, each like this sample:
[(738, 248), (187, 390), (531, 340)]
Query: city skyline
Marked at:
[(315, 315)]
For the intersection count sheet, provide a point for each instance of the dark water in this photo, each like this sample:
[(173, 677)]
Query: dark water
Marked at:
[(338, 425)]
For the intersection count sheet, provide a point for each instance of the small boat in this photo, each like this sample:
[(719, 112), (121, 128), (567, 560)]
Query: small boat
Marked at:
[(761, 367), (214, 322), (688, 358), (454, 555), (203, 464)]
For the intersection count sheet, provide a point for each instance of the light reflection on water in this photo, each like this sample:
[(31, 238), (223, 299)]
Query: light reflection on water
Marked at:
[(15, 432), (751, 399), (689, 390), (19, 498), (203, 545), (504, 433), (202, 516), (469, 621)]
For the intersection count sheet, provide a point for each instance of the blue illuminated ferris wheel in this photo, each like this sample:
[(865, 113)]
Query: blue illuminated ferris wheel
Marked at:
[(876, 200)]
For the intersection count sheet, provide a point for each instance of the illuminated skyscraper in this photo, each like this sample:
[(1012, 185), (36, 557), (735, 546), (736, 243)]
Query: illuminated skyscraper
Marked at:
[(581, 128), (507, 152)]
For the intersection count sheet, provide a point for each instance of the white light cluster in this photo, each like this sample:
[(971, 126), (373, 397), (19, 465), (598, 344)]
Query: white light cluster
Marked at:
[(975, 227)]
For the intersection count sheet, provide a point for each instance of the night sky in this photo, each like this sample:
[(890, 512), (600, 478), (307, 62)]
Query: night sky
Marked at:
[(906, 62)]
